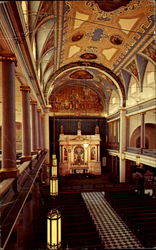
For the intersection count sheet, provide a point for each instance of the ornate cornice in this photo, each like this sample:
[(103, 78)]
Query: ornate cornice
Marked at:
[(8, 58)]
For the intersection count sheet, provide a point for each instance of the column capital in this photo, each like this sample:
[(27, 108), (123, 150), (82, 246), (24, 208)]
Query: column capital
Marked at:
[(33, 102), (24, 88), (38, 110), (8, 57)]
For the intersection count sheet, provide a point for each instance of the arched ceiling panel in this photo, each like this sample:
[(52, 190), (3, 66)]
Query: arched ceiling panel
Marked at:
[(42, 35)]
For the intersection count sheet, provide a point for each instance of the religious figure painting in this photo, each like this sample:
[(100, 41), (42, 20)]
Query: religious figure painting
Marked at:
[(75, 99), (93, 153), (79, 155)]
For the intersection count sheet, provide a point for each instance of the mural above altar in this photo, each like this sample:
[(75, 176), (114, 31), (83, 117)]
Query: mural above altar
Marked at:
[(79, 153)]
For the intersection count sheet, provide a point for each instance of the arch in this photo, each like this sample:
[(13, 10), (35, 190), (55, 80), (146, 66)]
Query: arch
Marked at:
[(150, 134), (116, 80)]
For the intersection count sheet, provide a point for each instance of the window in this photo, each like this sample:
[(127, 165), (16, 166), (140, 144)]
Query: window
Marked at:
[(150, 77), (113, 100)]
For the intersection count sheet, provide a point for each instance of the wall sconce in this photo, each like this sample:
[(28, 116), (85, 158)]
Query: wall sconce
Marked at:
[(137, 160), (53, 186), (53, 168), (54, 229)]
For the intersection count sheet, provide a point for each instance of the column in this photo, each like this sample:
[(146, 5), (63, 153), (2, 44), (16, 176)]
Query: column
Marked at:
[(86, 154), (34, 126), (42, 132), (142, 136), (9, 169), (46, 136), (98, 153), (127, 131), (61, 153), (122, 165), (39, 128), (26, 145)]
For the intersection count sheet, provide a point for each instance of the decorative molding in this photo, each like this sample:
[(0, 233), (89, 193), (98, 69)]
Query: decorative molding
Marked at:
[(113, 117), (139, 108), (24, 88), (33, 102), (9, 58)]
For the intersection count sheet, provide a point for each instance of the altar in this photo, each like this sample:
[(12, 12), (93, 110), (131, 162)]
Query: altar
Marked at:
[(79, 153)]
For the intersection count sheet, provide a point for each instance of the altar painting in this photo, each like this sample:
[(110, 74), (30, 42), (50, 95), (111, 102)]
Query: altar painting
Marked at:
[(78, 155)]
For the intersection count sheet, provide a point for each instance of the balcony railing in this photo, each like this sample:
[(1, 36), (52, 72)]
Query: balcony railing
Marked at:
[(17, 194)]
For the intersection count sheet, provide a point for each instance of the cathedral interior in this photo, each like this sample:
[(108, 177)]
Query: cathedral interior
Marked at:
[(77, 124)]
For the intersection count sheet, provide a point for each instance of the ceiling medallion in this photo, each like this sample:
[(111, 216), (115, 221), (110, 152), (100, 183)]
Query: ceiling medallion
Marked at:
[(109, 6), (88, 56), (81, 74), (78, 36), (116, 39)]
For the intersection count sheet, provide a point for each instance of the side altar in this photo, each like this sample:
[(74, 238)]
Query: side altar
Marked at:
[(79, 153)]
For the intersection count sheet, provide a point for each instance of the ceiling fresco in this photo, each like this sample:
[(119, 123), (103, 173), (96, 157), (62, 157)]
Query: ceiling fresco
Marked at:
[(68, 35), (150, 51)]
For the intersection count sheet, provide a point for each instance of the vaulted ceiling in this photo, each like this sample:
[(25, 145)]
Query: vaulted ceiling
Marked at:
[(85, 33), (85, 43)]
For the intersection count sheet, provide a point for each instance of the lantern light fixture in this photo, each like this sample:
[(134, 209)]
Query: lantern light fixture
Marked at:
[(54, 186), (54, 229), (53, 168)]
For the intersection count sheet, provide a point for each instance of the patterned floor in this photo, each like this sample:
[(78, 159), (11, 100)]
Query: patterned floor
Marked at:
[(113, 231)]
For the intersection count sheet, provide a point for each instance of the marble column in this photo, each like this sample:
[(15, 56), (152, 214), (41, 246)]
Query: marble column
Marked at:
[(26, 144), (86, 154), (46, 136), (34, 126), (122, 164), (142, 136), (42, 132), (39, 128), (127, 131), (98, 153), (60, 149), (8, 170)]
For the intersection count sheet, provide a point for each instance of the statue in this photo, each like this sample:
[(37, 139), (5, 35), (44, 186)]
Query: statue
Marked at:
[(79, 125), (61, 129), (97, 129)]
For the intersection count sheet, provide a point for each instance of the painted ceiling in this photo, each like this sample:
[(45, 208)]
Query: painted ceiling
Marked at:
[(84, 43)]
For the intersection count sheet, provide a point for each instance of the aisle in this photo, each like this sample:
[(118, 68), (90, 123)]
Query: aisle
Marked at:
[(113, 231)]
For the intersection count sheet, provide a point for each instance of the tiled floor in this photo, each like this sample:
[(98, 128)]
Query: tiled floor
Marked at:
[(113, 231)]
